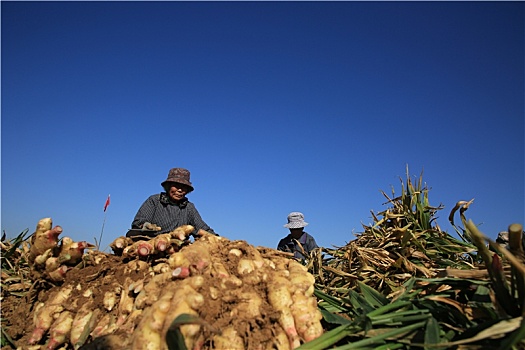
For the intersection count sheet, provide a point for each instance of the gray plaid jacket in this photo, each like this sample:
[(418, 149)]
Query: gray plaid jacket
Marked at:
[(160, 210)]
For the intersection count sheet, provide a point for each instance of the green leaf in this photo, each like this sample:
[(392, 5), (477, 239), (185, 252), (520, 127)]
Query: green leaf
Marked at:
[(389, 308), (400, 318), (329, 338), (482, 295), (389, 346), (359, 302), (432, 331), (6, 339), (397, 332), (334, 318), (372, 296), (15, 243), (333, 302), (174, 338)]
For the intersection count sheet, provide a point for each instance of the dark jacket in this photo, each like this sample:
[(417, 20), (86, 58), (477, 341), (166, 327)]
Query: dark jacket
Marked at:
[(288, 244), (160, 210)]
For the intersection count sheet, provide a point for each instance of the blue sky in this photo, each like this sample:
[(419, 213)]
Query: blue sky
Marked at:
[(273, 106)]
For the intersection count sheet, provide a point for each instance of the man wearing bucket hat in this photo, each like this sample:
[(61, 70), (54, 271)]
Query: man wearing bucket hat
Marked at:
[(171, 209), (298, 241)]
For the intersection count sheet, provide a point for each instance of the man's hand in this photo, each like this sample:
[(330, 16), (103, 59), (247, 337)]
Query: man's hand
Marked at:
[(150, 226)]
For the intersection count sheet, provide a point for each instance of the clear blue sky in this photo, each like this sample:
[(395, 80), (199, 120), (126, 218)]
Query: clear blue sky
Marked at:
[(273, 106)]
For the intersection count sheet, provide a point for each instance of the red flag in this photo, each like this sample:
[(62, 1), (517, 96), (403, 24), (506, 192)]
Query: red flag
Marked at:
[(107, 203)]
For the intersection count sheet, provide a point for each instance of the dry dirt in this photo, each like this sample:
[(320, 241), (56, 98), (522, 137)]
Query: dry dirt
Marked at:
[(104, 272)]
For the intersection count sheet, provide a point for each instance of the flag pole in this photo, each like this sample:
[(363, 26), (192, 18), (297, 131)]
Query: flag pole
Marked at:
[(101, 231), (104, 221)]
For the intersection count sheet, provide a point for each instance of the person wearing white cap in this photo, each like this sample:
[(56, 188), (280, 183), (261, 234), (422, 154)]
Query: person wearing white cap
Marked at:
[(298, 241)]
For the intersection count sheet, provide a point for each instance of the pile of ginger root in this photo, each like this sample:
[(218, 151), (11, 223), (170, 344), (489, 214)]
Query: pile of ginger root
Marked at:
[(244, 297), (50, 257)]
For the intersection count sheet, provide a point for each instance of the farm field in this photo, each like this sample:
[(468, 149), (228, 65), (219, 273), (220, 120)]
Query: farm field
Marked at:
[(401, 284)]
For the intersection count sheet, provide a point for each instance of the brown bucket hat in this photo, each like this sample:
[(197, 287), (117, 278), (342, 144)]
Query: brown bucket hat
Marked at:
[(179, 175)]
